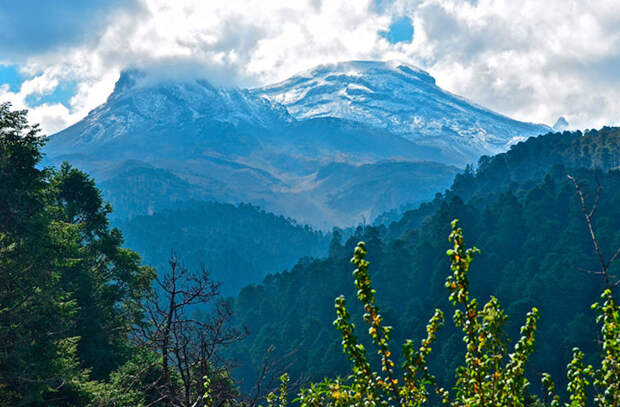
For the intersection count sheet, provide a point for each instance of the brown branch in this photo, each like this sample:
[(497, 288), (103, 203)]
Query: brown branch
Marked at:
[(613, 258), (597, 273), (596, 199), (588, 216), (188, 345)]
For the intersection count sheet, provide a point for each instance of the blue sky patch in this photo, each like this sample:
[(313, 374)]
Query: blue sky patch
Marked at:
[(380, 6), (37, 26), (9, 75), (401, 30), (62, 94)]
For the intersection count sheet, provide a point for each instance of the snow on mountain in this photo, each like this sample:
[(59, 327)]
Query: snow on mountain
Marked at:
[(307, 147), (193, 99), (403, 100), (192, 118), (138, 106), (152, 140)]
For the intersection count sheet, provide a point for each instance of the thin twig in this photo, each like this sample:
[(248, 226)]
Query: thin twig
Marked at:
[(588, 216)]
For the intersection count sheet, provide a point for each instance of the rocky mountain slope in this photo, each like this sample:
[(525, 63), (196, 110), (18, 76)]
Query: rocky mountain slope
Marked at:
[(299, 148), (403, 100)]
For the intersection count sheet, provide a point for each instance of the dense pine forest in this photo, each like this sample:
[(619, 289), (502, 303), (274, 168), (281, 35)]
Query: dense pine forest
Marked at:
[(237, 243), (523, 213), (84, 322)]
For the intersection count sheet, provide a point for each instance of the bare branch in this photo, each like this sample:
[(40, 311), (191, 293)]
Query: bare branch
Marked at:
[(188, 345), (588, 216), (597, 196), (597, 273), (613, 258)]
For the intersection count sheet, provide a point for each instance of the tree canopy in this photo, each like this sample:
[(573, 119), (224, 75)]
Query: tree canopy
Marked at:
[(70, 293)]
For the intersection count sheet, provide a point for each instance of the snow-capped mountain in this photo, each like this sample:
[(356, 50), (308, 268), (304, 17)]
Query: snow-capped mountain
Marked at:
[(403, 100), (190, 118), (330, 147), (139, 108), (191, 100)]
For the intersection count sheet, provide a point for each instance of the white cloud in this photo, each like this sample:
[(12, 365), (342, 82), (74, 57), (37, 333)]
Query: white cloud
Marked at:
[(531, 60)]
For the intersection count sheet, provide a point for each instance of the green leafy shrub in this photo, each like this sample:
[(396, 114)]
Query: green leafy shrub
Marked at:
[(491, 374)]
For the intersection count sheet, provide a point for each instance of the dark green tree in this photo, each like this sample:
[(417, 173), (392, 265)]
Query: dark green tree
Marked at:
[(69, 292), (105, 280), (35, 313)]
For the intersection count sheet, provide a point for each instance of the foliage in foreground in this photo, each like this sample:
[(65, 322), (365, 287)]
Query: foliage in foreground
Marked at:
[(491, 375), (71, 296), (81, 323), (69, 292), (533, 237)]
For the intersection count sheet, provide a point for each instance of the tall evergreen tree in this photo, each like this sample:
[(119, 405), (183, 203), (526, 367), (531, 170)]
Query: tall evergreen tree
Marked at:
[(69, 292)]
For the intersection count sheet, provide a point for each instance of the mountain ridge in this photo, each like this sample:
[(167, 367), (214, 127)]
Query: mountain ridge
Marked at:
[(402, 99), (237, 145)]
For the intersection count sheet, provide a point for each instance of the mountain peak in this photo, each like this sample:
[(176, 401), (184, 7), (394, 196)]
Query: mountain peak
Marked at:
[(401, 99), (127, 80), (363, 67), (133, 79), (351, 72), (561, 124)]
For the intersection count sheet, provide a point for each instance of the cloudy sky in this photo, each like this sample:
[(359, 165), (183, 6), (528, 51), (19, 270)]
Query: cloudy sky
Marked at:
[(530, 59)]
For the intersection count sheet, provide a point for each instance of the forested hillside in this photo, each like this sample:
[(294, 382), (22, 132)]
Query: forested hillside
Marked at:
[(238, 244), (534, 243), (537, 156), (525, 164), (84, 323), (70, 294)]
